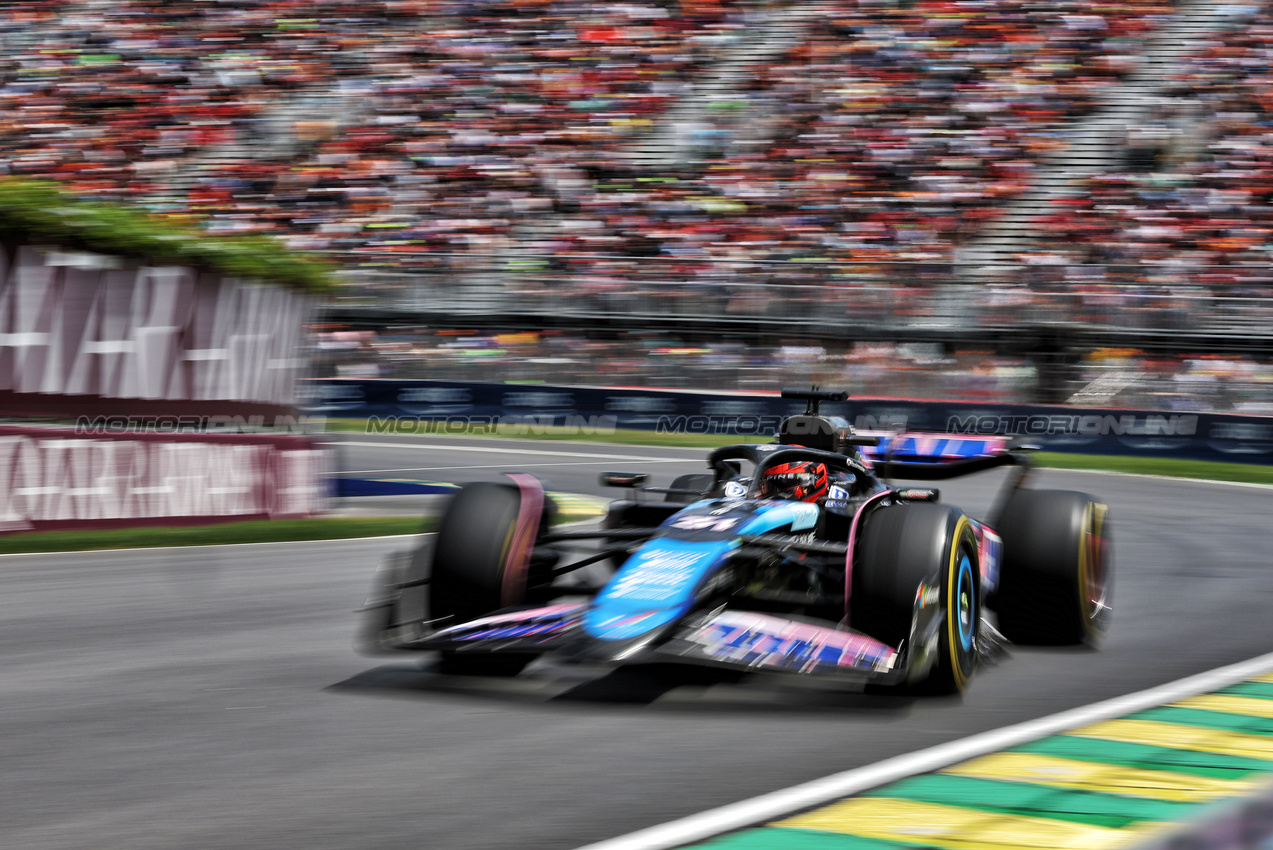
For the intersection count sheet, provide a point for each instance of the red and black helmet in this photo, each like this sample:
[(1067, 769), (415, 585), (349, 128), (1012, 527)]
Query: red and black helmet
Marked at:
[(802, 481)]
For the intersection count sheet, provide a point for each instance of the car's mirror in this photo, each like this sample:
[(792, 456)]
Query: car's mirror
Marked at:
[(624, 479)]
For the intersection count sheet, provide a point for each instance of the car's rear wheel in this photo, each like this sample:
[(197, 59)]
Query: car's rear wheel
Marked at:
[(473, 554), (926, 553), (1057, 577)]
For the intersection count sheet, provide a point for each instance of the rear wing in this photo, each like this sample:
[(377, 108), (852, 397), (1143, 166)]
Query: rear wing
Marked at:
[(933, 457)]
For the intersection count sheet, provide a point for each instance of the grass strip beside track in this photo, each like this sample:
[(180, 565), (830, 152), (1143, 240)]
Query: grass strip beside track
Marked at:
[(256, 531), (221, 534), (551, 433), (1246, 473)]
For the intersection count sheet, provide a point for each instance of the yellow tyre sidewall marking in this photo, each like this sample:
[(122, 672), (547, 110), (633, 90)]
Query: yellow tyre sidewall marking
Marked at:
[(1090, 547), (962, 528)]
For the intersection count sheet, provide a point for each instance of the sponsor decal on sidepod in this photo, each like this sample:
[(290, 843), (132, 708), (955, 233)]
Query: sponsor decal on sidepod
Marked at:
[(654, 587)]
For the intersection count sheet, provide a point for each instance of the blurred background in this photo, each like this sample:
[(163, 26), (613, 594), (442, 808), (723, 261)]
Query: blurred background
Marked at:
[(992, 201), (1062, 202)]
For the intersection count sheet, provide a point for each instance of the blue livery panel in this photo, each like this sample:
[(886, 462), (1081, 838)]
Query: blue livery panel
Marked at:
[(657, 585), (654, 587)]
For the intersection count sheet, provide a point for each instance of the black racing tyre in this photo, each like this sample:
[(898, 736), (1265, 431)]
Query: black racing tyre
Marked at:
[(700, 482), (1057, 576), (911, 550), (470, 554)]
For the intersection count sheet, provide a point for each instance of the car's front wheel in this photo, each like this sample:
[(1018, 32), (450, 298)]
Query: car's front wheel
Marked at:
[(913, 557), (474, 556)]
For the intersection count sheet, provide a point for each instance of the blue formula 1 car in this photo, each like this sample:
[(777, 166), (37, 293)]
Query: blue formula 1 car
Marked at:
[(793, 556)]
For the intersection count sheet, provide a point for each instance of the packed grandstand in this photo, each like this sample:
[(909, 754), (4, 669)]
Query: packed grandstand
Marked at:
[(588, 145)]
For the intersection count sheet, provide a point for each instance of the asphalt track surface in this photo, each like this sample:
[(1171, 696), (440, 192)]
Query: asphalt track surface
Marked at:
[(212, 698)]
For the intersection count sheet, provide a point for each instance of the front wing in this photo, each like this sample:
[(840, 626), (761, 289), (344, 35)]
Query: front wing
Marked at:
[(741, 640), (768, 642)]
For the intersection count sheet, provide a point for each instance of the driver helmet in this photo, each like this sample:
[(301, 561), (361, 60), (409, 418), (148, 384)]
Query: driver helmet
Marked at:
[(802, 481)]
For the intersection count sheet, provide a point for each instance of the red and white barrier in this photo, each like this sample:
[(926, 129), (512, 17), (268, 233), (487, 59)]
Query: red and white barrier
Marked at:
[(83, 334), (54, 479)]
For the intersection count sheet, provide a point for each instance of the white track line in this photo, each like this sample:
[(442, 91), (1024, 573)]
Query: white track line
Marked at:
[(72, 553), (767, 806), (554, 463), (483, 449)]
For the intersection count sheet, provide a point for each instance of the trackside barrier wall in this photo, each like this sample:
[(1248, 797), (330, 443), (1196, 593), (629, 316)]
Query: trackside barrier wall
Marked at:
[(439, 407), (54, 479), (88, 335)]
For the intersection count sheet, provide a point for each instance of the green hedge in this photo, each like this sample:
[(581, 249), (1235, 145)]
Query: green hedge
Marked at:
[(39, 212)]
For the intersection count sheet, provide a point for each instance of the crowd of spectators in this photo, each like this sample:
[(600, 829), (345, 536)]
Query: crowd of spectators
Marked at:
[(424, 128), (889, 131), (131, 100), (1193, 200), (343, 124), (1194, 383), (899, 129)]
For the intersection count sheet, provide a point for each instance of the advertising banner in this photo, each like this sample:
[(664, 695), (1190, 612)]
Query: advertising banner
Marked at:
[(83, 334), (52, 479), (435, 407)]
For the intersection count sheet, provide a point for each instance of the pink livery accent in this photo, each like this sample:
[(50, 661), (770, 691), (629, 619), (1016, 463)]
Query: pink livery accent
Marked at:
[(762, 640), (904, 445), (989, 555), (531, 508), (532, 615)]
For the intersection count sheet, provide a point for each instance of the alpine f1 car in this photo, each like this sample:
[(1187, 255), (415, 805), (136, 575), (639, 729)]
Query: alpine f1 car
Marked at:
[(793, 556)]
